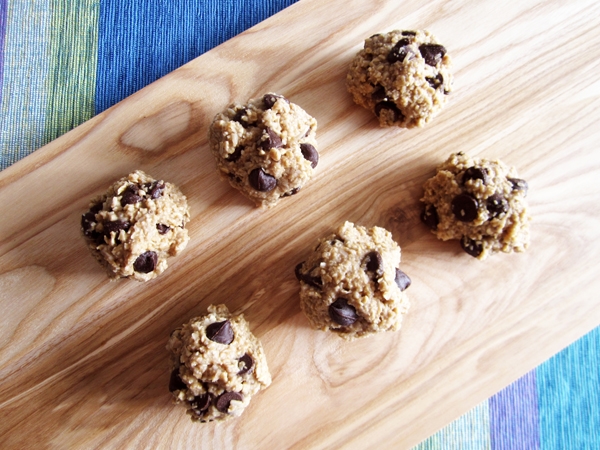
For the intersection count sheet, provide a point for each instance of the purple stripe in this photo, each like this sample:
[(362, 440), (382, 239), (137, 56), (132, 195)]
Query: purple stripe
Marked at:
[(3, 20), (514, 416)]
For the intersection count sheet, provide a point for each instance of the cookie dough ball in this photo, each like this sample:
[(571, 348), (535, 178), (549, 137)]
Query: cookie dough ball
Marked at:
[(136, 225), (479, 201), (352, 284), (402, 76), (267, 149), (218, 365)]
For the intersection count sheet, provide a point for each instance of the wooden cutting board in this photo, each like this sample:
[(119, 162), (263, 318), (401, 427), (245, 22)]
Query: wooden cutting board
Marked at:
[(83, 361)]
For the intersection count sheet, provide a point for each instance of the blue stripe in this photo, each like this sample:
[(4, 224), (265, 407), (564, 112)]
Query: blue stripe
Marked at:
[(141, 41), (3, 14), (569, 396), (24, 99)]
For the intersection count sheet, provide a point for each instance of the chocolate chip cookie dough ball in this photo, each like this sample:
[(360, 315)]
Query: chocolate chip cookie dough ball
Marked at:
[(404, 77), (218, 365), (136, 225), (266, 149), (479, 201), (352, 284)]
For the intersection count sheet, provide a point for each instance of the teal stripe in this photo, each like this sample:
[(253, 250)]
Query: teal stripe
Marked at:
[(24, 99), (569, 397), (73, 56), (471, 431)]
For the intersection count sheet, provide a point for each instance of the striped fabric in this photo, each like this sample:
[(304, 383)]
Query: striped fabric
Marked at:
[(62, 61)]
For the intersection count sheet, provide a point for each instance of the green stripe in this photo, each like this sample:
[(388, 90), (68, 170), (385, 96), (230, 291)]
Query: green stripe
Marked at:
[(73, 56), (471, 431)]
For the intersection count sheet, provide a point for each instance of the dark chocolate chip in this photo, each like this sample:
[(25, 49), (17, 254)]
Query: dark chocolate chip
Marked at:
[(247, 364), (146, 262), (270, 99), (430, 217), (342, 313), (379, 94), (398, 51), (273, 140), (261, 181), (519, 184), (475, 173), (297, 271), (96, 207), (375, 35), (220, 332), (175, 382), (292, 192), (237, 153), (310, 154), (313, 281), (471, 246), (435, 82), (374, 262), (225, 399), (432, 53), (130, 196), (88, 221), (398, 116), (464, 207), (162, 228), (155, 189), (402, 280), (115, 226), (240, 113), (201, 403), (496, 204), (409, 33)]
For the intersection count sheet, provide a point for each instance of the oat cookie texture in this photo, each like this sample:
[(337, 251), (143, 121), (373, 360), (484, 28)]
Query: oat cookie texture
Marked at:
[(479, 201), (403, 77), (218, 365), (351, 284), (266, 149), (136, 225)]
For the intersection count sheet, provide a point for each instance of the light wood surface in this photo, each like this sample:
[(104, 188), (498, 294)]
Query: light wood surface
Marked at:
[(83, 361)]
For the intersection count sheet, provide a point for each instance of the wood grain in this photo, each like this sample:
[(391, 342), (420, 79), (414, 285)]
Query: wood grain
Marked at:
[(83, 361)]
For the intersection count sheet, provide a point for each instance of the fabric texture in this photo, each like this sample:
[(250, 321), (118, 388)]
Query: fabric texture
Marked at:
[(63, 61)]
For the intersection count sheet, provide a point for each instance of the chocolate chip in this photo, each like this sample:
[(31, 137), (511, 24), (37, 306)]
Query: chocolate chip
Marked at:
[(225, 399), (402, 280), (430, 217), (464, 207), (432, 53), (391, 106), (130, 196), (375, 35), (435, 82), (379, 94), (175, 382), (342, 313), (297, 271), (88, 221), (471, 246), (374, 262), (162, 228), (398, 51), (270, 99), (292, 192), (261, 181), (311, 280), (201, 403), (96, 207), (409, 33), (240, 113), (310, 154), (496, 204), (115, 226), (155, 189), (519, 184), (220, 332), (273, 140), (247, 364), (146, 262), (237, 153), (476, 173)]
